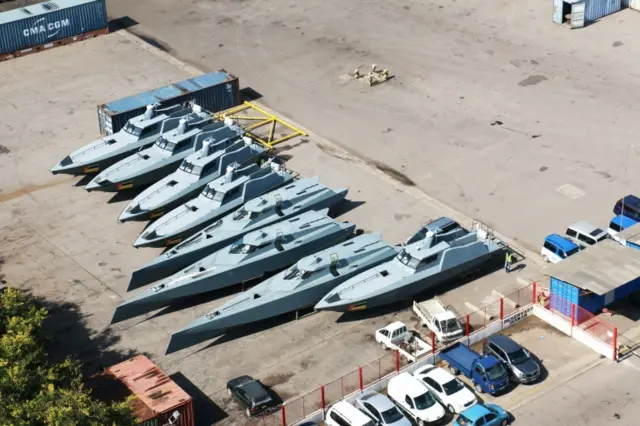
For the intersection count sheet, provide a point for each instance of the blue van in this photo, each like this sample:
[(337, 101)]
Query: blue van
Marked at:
[(556, 248), (631, 207), (619, 224)]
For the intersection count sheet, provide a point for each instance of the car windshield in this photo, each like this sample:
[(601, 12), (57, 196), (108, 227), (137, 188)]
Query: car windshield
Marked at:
[(165, 144), (453, 386), (392, 415), (191, 168), (518, 357), (424, 401), (451, 326), (407, 259), (131, 129), (495, 372)]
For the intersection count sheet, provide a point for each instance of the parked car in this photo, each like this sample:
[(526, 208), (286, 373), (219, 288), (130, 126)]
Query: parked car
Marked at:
[(485, 371), (447, 388), (585, 234), (619, 224), (483, 415), (252, 395), (381, 410), (556, 248), (414, 399), (517, 360), (344, 414), (628, 206)]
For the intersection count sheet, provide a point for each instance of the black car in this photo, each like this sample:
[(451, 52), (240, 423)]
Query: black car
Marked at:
[(522, 368), (252, 395)]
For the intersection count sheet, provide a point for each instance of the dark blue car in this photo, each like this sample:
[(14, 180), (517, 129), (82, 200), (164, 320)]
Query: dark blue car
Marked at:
[(628, 206), (516, 359)]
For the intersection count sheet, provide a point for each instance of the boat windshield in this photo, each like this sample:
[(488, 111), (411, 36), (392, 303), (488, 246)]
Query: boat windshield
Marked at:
[(165, 144), (243, 249), (294, 273), (191, 168), (131, 129), (407, 259), (244, 214)]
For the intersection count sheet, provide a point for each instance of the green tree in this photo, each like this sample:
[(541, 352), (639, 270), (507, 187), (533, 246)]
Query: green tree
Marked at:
[(36, 392)]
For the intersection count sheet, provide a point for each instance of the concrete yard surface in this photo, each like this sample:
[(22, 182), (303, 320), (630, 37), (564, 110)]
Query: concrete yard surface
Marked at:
[(493, 109)]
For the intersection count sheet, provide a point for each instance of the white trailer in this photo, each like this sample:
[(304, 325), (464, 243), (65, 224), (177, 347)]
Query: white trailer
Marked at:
[(442, 320), (396, 336)]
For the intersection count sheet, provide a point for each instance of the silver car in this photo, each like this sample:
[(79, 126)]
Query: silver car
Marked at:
[(382, 411)]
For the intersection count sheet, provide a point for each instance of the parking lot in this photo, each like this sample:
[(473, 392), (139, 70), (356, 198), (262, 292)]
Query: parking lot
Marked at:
[(66, 245)]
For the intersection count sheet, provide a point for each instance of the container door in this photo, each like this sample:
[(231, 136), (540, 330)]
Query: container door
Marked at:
[(577, 15), (557, 11), (635, 4)]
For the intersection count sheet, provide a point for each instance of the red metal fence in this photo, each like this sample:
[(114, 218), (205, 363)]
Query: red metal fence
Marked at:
[(298, 409)]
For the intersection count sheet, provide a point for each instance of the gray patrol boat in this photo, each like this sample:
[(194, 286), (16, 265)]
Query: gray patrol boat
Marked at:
[(441, 251), (219, 197), (298, 287), (265, 250), (163, 157), (138, 133), (195, 171), (297, 197)]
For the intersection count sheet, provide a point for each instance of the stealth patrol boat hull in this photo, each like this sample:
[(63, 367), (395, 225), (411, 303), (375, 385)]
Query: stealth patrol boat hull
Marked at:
[(265, 250), (300, 286), (297, 197)]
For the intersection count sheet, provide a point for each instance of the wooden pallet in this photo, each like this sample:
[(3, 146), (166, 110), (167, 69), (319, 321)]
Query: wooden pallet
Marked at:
[(46, 46)]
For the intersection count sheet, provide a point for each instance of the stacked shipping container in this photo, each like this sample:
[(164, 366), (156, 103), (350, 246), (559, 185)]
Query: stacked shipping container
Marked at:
[(50, 23)]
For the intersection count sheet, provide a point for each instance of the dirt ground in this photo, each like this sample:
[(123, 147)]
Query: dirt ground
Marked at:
[(493, 109)]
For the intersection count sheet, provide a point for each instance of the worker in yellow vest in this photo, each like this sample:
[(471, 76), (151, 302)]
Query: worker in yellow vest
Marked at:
[(508, 261)]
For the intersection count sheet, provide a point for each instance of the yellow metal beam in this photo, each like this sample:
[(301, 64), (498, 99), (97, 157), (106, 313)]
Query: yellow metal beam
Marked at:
[(260, 121)]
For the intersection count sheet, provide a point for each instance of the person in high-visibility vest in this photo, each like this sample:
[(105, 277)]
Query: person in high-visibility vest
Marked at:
[(507, 262)]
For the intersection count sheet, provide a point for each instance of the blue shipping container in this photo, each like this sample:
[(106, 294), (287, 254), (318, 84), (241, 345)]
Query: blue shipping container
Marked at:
[(44, 23), (596, 9), (214, 92), (563, 295)]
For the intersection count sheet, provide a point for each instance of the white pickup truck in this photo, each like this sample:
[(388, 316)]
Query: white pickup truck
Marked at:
[(441, 320), (397, 336)]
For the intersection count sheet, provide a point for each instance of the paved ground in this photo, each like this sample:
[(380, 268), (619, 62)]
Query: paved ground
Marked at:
[(66, 245), (565, 98)]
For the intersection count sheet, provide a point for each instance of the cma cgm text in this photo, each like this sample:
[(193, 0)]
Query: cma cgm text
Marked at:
[(52, 28)]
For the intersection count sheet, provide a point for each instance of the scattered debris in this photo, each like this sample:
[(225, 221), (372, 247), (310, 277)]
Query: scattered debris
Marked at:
[(497, 123), (373, 77)]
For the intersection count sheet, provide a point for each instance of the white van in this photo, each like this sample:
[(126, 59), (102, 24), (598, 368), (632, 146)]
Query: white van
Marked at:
[(344, 414), (414, 399)]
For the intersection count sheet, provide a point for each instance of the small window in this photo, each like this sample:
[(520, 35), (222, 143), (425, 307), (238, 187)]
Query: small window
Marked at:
[(572, 233), (409, 401), (585, 239), (615, 227), (489, 418), (427, 260), (479, 370), (449, 227), (549, 246)]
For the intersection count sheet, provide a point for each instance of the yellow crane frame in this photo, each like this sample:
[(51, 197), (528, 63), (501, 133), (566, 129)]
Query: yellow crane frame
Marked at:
[(264, 119)]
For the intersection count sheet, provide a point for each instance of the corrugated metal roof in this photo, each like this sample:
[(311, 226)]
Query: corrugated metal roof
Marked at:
[(39, 9), (631, 234), (150, 384), (167, 92), (600, 268)]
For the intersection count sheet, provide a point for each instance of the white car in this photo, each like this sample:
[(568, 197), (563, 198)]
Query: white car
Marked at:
[(414, 398), (447, 388)]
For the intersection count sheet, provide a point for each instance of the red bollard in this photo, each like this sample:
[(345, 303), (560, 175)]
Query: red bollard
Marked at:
[(361, 380), (284, 415), (467, 326), (533, 295), (322, 397), (615, 343), (501, 308), (433, 342), (397, 361)]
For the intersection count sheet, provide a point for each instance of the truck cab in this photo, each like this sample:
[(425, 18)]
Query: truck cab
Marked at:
[(398, 337), (485, 371), (442, 320)]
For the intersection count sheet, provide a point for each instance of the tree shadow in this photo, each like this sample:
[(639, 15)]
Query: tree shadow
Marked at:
[(67, 335), (205, 411)]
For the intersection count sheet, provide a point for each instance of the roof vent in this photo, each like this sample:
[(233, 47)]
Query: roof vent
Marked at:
[(27, 11), (196, 108), (50, 6), (182, 126), (148, 114)]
